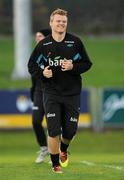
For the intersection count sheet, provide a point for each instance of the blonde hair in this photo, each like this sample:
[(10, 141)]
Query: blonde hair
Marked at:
[(58, 11)]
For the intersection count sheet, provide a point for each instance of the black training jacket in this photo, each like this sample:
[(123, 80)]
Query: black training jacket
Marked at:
[(49, 52)]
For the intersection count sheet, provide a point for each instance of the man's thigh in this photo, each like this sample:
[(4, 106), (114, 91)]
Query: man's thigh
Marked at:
[(38, 109), (70, 116), (53, 115)]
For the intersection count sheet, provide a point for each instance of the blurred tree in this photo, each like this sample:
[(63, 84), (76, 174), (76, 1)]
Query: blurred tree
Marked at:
[(84, 15), (39, 15), (6, 16)]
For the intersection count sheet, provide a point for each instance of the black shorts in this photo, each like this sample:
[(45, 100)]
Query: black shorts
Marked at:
[(62, 114), (38, 109)]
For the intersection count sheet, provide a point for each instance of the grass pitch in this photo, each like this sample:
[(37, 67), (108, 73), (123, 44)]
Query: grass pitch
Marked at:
[(92, 156)]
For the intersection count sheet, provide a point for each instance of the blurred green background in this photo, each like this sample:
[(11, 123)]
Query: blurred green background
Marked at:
[(106, 53)]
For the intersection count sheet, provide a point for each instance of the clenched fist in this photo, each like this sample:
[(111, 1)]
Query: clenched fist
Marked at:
[(67, 65), (47, 72)]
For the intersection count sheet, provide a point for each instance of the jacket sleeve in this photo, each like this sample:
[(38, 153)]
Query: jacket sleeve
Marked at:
[(33, 67), (83, 63)]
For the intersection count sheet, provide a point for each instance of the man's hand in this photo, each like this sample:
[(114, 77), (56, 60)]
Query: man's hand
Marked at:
[(47, 72), (67, 65)]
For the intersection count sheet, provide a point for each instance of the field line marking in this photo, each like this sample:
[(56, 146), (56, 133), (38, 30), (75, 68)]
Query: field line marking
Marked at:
[(89, 163), (114, 167)]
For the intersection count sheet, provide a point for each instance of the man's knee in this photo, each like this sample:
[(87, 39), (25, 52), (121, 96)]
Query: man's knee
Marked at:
[(69, 134), (54, 133)]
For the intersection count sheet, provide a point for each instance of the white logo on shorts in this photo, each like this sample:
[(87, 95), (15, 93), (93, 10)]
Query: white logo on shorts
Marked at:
[(73, 119), (50, 115)]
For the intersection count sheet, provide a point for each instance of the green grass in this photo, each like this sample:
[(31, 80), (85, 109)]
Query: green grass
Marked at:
[(106, 54), (104, 151)]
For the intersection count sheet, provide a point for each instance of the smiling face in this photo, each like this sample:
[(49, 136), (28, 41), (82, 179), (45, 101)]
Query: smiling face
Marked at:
[(58, 23)]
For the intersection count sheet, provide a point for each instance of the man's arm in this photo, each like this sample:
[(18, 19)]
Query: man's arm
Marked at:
[(83, 63), (33, 68)]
